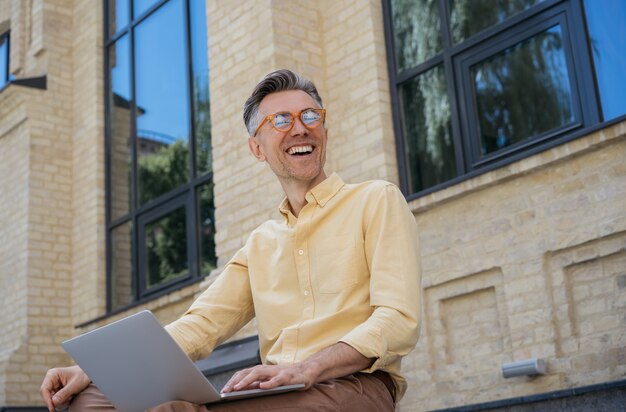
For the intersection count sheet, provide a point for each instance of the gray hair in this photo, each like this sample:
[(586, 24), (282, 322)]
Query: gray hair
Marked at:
[(277, 81)]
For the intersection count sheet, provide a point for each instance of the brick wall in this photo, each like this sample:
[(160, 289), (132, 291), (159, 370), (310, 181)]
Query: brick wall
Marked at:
[(39, 189), (14, 164), (87, 162), (361, 140)]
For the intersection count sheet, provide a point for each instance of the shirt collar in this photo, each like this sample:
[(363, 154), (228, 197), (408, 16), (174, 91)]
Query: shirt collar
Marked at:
[(320, 194)]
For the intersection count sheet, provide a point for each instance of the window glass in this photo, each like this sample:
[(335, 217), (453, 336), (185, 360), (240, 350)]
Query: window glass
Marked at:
[(166, 248), (416, 31), (523, 91), (118, 15), (162, 93), (607, 35), (427, 129), (206, 213), (122, 280), (4, 60), (120, 144), (468, 17), (201, 96), (158, 99), (140, 6)]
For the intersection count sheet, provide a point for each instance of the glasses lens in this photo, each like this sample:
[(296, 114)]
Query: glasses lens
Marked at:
[(282, 121), (310, 117)]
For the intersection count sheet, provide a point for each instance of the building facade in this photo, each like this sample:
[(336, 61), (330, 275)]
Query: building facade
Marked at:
[(126, 185)]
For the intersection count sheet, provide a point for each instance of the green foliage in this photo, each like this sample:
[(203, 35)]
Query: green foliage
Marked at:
[(163, 171), (166, 239)]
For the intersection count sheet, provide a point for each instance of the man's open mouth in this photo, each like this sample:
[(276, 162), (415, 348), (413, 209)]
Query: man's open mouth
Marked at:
[(300, 150)]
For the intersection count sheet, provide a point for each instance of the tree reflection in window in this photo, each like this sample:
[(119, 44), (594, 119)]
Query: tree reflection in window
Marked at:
[(166, 248), (427, 129), (523, 91), (416, 31), (206, 210), (468, 17)]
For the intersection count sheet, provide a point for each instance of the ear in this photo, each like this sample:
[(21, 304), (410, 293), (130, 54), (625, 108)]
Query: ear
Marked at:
[(255, 148)]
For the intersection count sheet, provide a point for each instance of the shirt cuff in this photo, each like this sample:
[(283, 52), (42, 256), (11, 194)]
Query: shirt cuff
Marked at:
[(179, 338), (369, 343)]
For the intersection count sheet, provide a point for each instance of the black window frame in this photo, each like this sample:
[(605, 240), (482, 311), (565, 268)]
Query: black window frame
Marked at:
[(185, 195), (457, 60)]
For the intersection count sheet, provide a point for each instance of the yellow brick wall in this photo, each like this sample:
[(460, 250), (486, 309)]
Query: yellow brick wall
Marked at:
[(360, 134), (14, 164), (87, 163), (43, 135), (5, 11)]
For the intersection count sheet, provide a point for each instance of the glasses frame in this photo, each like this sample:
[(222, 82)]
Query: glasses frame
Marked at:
[(295, 115)]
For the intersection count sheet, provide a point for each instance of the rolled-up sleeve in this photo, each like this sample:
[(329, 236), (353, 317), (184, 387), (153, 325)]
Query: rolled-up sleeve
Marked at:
[(218, 312), (392, 253)]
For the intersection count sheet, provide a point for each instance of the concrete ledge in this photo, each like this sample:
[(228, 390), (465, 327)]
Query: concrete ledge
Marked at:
[(606, 397)]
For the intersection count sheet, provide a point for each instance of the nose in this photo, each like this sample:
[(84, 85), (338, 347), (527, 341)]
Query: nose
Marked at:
[(298, 128)]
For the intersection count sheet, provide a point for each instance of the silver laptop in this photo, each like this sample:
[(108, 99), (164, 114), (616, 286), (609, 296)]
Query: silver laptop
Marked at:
[(137, 365)]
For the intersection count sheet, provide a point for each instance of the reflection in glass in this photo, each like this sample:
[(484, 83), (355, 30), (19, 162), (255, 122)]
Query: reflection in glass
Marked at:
[(201, 96), (162, 94), (416, 31), (607, 34), (140, 6), (120, 146), (118, 15), (166, 248), (427, 129), (122, 279), (4, 60), (523, 91), (468, 17), (206, 214)]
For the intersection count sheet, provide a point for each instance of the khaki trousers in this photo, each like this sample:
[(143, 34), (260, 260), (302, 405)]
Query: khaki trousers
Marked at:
[(360, 392)]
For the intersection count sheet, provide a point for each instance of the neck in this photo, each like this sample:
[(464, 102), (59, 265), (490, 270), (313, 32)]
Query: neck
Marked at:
[(296, 190)]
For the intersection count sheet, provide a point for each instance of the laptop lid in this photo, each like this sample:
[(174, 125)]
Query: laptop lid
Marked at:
[(137, 365)]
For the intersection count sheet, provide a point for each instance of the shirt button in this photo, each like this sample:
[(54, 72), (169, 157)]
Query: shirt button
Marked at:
[(306, 293), (301, 252)]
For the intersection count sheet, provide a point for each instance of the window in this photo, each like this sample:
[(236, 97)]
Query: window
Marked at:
[(481, 83), (4, 60), (160, 213), (607, 35)]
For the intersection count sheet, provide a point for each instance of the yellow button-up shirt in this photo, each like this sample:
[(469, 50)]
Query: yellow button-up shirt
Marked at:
[(345, 270)]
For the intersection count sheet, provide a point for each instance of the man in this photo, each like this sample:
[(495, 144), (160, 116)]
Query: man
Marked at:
[(334, 285)]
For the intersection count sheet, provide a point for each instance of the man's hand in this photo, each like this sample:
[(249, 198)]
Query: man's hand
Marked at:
[(269, 376), (61, 384), (335, 361)]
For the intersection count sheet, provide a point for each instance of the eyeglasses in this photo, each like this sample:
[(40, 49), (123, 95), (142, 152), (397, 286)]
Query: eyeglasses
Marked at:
[(284, 121)]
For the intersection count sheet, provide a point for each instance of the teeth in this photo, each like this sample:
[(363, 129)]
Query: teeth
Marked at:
[(300, 149)]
